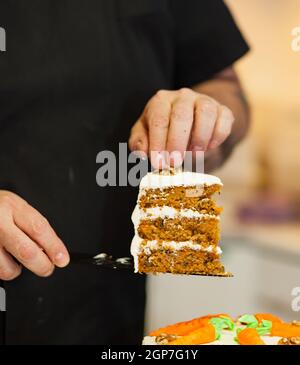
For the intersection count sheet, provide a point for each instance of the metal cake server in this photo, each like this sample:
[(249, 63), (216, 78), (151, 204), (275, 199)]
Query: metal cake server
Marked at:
[(102, 260), (106, 261)]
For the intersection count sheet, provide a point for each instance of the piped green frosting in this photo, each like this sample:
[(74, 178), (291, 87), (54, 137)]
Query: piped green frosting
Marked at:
[(264, 328), (221, 323), (251, 322)]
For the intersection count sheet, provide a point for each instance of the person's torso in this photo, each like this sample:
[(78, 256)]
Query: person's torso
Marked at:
[(75, 76)]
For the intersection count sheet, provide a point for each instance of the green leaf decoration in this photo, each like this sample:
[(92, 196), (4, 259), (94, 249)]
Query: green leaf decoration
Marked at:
[(249, 320), (218, 333), (264, 328), (238, 330), (221, 323), (229, 323), (252, 325)]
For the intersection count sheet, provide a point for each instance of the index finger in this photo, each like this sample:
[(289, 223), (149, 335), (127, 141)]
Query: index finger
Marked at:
[(157, 119), (36, 226), (182, 117)]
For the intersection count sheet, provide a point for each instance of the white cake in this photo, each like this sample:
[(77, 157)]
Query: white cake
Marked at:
[(220, 329)]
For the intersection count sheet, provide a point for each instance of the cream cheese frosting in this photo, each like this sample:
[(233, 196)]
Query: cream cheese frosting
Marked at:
[(167, 212), (185, 178), (227, 338)]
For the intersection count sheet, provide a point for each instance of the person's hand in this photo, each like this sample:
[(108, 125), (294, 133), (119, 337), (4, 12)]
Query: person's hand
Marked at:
[(179, 121), (27, 239)]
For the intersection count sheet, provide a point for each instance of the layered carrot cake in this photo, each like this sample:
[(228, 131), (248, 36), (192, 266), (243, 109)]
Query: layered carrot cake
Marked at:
[(177, 224), (221, 329)]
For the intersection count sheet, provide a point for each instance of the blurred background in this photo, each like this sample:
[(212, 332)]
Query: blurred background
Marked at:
[(261, 194)]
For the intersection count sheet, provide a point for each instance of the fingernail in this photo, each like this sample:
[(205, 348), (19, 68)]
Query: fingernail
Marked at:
[(159, 160), (138, 150), (141, 154), (61, 259), (198, 148), (176, 158)]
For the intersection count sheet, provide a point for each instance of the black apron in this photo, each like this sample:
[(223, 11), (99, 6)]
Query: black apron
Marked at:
[(74, 78)]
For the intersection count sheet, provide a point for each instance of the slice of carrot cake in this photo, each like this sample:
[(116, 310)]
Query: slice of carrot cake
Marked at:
[(177, 224)]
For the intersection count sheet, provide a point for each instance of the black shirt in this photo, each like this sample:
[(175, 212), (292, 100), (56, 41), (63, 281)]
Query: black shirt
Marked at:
[(75, 77)]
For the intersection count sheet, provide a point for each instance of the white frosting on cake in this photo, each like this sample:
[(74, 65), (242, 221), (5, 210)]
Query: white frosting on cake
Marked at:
[(167, 212), (136, 247), (134, 250), (227, 338), (149, 340), (271, 340), (184, 178)]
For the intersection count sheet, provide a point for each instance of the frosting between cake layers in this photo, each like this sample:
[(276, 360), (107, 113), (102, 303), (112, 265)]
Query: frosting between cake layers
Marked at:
[(136, 247), (167, 212), (185, 178)]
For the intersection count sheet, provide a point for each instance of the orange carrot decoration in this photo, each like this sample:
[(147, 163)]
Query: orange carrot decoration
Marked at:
[(184, 328), (285, 330), (181, 328), (268, 317), (210, 316), (249, 336), (205, 334)]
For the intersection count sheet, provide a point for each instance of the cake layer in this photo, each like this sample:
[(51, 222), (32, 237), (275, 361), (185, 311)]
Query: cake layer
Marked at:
[(181, 198), (139, 246), (205, 231), (183, 261)]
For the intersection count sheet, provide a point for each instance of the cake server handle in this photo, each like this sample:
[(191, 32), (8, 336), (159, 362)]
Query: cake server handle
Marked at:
[(102, 260)]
